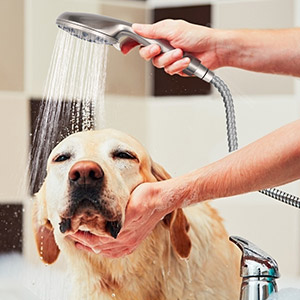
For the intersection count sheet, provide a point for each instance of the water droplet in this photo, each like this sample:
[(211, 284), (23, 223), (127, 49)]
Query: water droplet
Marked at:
[(113, 295), (188, 270), (163, 272)]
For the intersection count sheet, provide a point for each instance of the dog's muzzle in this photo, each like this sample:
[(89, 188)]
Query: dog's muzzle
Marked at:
[(86, 207)]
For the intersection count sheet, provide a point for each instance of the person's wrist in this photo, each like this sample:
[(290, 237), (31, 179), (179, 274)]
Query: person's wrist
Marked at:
[(227, 47), (168, 195)]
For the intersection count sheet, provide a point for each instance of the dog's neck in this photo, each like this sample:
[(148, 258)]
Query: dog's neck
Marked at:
[(115, 277)]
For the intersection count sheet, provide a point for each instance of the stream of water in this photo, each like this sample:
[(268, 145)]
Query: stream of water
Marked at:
[(73, 98)]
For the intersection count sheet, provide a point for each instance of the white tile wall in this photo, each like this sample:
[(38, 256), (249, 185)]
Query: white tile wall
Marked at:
[(263, 14)]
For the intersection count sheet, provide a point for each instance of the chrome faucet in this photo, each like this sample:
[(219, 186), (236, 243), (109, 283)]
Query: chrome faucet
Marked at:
[(258, 270)]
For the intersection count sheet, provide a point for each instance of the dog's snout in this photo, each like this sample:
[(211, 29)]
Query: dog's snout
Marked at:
[(86, 172)]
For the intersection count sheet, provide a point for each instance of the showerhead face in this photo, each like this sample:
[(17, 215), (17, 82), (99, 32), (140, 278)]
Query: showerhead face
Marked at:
[(94, 28)]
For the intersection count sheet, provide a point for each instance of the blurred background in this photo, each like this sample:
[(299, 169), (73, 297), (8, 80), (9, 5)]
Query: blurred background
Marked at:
[(180, 121)]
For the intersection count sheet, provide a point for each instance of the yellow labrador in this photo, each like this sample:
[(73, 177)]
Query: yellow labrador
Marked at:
[(90, 176)]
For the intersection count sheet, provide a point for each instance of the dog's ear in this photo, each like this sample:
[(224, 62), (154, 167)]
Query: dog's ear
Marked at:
[(43, 230), (176, 221), (159, 172), (179, 226)]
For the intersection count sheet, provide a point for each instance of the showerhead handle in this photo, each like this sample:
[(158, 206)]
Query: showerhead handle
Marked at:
[(195, 68), (102, 29)]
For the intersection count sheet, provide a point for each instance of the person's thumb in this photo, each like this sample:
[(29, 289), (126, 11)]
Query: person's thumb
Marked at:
[(151, 31)]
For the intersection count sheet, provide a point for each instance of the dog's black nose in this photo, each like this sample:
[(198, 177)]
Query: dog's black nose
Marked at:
[(86, 173)]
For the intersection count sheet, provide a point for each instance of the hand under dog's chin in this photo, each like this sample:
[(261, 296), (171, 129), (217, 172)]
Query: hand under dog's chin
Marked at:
[(88, 241), (90, 236)]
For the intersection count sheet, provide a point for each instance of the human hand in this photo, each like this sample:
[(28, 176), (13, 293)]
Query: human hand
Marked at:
[(200, 41), (142, 214)]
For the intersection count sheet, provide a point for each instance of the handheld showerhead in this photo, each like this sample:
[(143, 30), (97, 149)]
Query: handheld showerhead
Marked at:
[(102, 29)]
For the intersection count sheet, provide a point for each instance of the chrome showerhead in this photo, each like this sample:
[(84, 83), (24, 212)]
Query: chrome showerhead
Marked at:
[(102, 29), (106, 30)]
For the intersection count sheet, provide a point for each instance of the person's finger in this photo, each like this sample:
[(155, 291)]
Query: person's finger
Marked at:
[(167, 58), (183, 74), (128, 44), (150, 51), (117, 252), (178, 66), (83, 247)]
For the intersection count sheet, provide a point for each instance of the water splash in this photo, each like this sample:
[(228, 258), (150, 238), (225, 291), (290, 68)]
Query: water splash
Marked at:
[(73, 98)]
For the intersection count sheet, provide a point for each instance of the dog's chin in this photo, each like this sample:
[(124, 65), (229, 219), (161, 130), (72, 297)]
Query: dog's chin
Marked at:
[(86, 235), (92, 224), (88, 217)]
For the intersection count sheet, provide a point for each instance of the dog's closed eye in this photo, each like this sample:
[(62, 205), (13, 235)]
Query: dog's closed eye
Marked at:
[(124, 155), (62, 157)]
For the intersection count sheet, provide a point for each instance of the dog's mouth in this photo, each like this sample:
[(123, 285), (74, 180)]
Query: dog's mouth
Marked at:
[(91, 219), (110, 227)]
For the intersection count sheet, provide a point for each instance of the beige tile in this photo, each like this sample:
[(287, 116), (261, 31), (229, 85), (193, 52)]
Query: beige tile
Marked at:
[(41, 34), (125, 74), (12, 45), (14, 134)]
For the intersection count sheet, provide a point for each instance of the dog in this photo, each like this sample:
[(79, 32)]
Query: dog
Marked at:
[(90, 176)]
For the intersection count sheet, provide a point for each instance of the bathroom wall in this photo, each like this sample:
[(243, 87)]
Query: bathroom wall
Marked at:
[(181, 132)]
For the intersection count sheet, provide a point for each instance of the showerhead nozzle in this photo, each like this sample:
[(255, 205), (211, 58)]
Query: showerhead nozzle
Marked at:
[(92, 28), (107, 30)]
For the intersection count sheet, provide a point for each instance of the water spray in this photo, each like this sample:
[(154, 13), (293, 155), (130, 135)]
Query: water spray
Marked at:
[(106, 30)]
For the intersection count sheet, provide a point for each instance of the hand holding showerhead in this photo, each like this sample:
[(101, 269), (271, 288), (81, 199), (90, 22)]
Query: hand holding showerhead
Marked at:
[(102, 29), (199, 41)]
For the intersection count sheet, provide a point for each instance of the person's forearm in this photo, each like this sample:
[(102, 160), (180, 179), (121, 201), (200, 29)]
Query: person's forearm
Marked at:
[(271, 161), (268, 51)]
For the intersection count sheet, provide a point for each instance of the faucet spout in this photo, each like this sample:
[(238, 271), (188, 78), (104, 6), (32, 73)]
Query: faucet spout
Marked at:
[(258, 270)]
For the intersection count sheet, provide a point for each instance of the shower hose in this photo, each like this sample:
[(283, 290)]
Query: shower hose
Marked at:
[(223, 89)]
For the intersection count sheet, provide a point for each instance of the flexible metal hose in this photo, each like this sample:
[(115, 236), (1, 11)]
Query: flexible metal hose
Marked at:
[(223, 89), (220, 85)]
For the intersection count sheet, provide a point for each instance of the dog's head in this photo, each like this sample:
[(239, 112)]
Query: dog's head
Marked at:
[(90, 176)]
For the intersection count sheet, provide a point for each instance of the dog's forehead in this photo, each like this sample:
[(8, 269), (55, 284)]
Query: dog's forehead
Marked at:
[(101, 140)]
